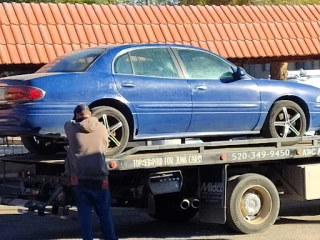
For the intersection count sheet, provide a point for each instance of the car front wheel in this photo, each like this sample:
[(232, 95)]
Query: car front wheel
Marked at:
[(286, 119), (117, 126)]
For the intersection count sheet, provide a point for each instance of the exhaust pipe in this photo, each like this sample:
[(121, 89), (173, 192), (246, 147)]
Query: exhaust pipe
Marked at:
[(185, 204), (195, 203)]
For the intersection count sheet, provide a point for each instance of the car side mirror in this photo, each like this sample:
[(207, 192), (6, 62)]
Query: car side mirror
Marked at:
[(241, 73)]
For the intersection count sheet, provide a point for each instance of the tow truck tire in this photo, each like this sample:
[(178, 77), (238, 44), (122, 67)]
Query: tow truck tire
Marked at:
[(118, 127), (286, 114), (167, 208), (41, 146), (252, 203)]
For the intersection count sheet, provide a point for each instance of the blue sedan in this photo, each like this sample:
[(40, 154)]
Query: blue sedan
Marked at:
[(152, 91)]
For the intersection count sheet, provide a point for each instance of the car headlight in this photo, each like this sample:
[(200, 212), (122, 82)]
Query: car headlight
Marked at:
[(318, 99)]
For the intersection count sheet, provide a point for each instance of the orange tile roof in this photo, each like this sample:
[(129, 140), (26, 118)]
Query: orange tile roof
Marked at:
[(39, 32)]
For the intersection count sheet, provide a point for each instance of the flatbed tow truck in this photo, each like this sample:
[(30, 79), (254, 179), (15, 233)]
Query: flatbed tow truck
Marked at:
[(238, 182)]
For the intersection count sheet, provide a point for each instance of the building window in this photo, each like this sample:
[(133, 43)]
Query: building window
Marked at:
[(304, 65), (266, 67)]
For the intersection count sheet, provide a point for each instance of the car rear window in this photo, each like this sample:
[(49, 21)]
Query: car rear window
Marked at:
[(77, 61)]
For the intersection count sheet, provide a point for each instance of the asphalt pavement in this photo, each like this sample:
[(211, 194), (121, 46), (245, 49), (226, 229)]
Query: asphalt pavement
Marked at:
[(297, 221)]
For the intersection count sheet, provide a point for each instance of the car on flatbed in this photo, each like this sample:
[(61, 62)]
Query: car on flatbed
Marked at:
[(152, 91)]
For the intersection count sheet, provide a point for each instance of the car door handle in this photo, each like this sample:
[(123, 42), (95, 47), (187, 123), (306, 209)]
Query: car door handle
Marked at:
[(127, 85), (200, 87)]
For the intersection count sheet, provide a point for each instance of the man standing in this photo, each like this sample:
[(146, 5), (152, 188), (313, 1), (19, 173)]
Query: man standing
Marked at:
[(85, 164)]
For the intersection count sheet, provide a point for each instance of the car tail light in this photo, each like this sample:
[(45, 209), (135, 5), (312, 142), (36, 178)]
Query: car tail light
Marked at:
[(23, 93)]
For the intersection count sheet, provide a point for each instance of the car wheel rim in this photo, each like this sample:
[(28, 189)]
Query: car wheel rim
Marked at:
[(288, 123), (256, 205), (115, 130)]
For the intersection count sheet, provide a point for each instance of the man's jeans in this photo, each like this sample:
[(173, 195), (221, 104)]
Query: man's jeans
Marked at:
[(100, 200)]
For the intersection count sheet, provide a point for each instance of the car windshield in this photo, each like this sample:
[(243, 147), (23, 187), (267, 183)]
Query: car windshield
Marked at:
[(78, 61)]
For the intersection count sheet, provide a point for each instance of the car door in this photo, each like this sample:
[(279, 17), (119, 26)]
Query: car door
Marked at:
[(149, 80), (220, 102)]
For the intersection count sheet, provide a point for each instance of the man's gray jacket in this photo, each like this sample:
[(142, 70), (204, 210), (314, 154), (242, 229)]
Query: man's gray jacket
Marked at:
[(88, 142)]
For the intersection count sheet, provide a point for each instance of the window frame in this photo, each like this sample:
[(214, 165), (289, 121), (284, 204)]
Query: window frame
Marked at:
[(186, 75), (129, 50)]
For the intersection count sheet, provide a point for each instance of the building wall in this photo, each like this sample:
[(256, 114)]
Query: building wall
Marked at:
[(262, 70)]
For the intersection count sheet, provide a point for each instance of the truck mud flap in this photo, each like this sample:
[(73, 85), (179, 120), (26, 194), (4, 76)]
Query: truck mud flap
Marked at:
[(212, 193)]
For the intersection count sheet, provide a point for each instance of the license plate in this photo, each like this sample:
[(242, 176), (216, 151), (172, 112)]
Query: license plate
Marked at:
[(3, 93)]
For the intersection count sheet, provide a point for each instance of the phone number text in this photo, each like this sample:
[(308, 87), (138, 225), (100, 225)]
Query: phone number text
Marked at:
[(260, 154)]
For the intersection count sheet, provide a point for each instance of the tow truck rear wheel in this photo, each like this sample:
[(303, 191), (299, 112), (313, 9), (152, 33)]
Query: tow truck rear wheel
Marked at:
[(167, 208), (252, 203)]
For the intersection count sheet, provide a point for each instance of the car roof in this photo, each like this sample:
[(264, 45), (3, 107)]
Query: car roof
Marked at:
[(126, 46)]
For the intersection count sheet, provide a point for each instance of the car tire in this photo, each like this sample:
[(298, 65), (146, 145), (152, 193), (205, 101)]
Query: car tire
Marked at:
[(281, 118), (117, 126), (253, 203), (41, 145), (167, 208)]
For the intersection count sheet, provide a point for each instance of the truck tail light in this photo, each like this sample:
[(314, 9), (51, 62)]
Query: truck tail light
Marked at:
[(23, 93)]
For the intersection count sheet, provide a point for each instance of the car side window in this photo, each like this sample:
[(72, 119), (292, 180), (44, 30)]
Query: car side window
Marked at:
[(123, 65), (153, 62), (202, 65)]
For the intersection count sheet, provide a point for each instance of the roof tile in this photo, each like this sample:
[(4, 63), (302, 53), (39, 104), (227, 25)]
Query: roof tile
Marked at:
[(10, 13), (99, 13), (174, 15), (124, 33), (166, 14), (72, 33), (142, 34), (65, 13), (63, 33), (35, 33), (23, 53), (97, 31), (108, 34), (38, 13), (91, 13), (139, 15), (166, 33), (206, 32), (115, 31), (133, 33), (54, 33), (18, 37), (243, 13), (158, 33), (56, 12), (58, 48), (47, 30), (47, 13), (149, 14), (30, 16), (227, 46), (74, 15), (32, 53), (3, 15), (160, 18), (2, 39), (89, 32), (190, 14), (20, 14), (45, 34), (4, 56), (7, 33), (14, 55)]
